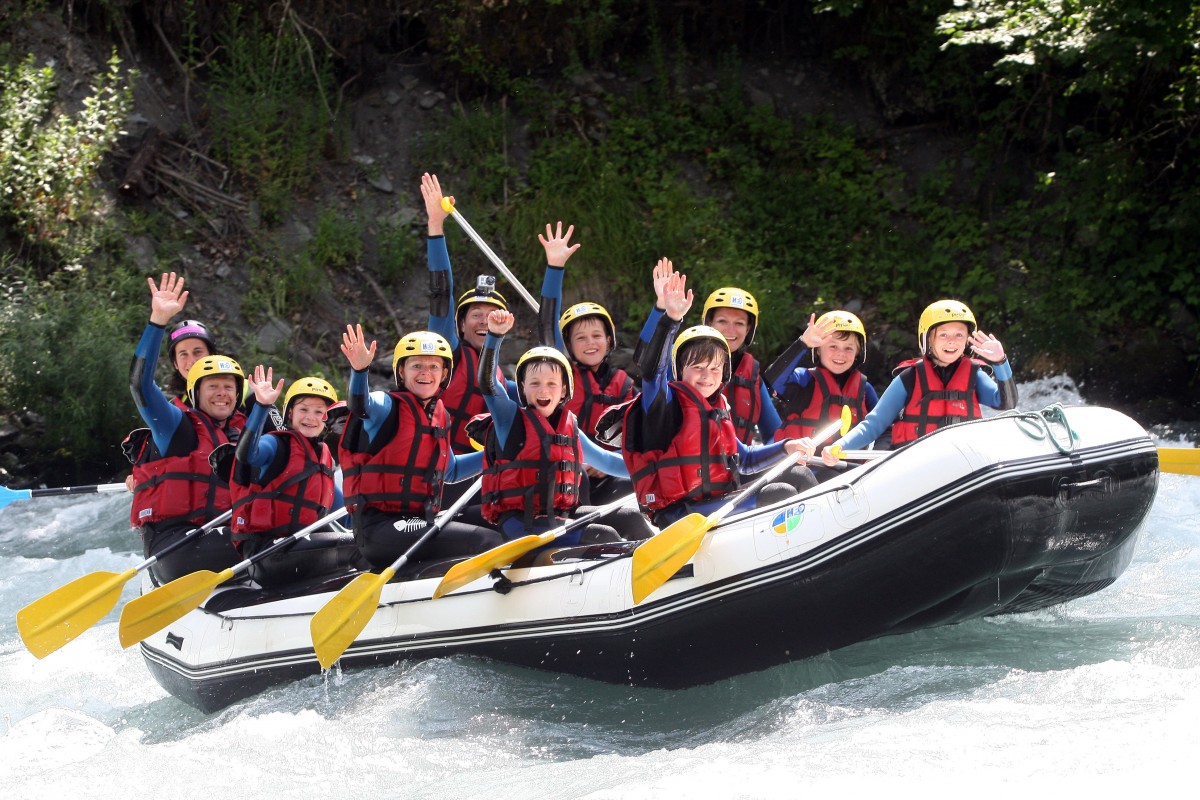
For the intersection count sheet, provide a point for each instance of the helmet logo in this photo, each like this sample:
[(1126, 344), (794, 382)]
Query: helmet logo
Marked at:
[(428, 347), (224, 365), (737, 301)]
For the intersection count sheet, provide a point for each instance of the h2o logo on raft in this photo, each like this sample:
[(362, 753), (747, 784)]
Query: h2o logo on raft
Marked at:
[(788, 520)]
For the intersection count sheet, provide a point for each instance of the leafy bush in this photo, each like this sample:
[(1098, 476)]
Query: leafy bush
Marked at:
[(49, 159), (65, 345)]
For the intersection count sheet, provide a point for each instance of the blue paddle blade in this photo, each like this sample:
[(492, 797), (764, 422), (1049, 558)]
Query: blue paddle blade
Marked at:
[(8, 495)]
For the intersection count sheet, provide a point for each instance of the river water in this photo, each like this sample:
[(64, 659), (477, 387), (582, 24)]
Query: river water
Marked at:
[(1102, 692)]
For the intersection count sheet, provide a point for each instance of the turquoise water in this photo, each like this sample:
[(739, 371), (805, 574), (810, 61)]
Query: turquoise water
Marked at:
[(1102, 692)]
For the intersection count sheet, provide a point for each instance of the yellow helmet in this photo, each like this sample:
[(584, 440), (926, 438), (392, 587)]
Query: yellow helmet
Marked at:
[(693, 334), (845, 321), (309, 387), (484, 292), (542, 353), (210, 366), (943, 311), (423, 343), (581, 310), (732, 297)]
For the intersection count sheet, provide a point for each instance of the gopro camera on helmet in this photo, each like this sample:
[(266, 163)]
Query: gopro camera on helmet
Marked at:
[(485, 284)]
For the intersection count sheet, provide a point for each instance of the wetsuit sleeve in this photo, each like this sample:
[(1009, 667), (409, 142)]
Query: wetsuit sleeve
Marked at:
[(372, 407), (502, 407), (654, 355), (253, 448), (644, 354), (768, 419), (606, 461), (756, 458), (551, 310), (160, 414), (885, 412), (358, 388), (784, 367), (441, 290), (464, 467), (999, 392)]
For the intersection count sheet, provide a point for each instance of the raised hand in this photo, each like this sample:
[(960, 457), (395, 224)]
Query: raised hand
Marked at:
[(816, 335), (987, 347), (558, 245), (354, 347), (500, 322), (167, 298), (431, 190), (261, 384), (677, 298), (663, 271)]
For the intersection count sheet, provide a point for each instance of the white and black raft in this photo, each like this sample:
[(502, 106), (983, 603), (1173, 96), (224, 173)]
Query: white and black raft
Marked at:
[(1003, 515)]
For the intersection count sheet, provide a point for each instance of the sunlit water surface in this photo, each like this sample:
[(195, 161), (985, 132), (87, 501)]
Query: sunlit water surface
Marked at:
[(1101, 694)]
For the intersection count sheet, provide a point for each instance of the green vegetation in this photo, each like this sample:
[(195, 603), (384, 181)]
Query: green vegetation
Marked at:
[(271, 104), (49, 159), (1062, 214)]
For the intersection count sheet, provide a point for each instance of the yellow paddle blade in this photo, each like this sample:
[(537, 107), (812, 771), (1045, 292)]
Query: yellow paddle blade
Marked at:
[(659, 557), (1180, 460), (341, 620), (157, 609), (476, 567), (51, 621)]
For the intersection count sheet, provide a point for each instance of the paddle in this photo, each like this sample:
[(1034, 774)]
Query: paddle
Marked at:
[(658, 558), (448, 207), (9, 495), (54, 619), (339, 622), (1180, 460), (157, 609), (475, 567)]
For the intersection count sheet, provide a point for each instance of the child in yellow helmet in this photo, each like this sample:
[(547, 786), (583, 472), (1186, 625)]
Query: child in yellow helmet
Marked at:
[(734, 312), (283, 481), (813, 396), (534, 453), (586, 334), (679, 443), (396, 456)]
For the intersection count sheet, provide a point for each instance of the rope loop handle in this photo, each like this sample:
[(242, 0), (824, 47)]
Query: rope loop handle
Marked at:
[(1038, 425)]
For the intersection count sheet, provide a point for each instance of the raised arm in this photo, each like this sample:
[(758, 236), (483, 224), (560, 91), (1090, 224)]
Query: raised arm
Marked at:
[(441, 278), (167, 298), (559, 250)]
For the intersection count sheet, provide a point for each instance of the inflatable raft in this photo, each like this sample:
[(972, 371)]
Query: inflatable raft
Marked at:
[(1007, 514)]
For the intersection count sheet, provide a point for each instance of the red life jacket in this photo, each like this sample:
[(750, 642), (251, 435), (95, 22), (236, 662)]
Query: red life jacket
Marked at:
[(825, 405), (403, 471), (298, 496), (462, 397), (590, 400), (699, 464), (933, 404), (180, 488), (743, 391), (542, 479)]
